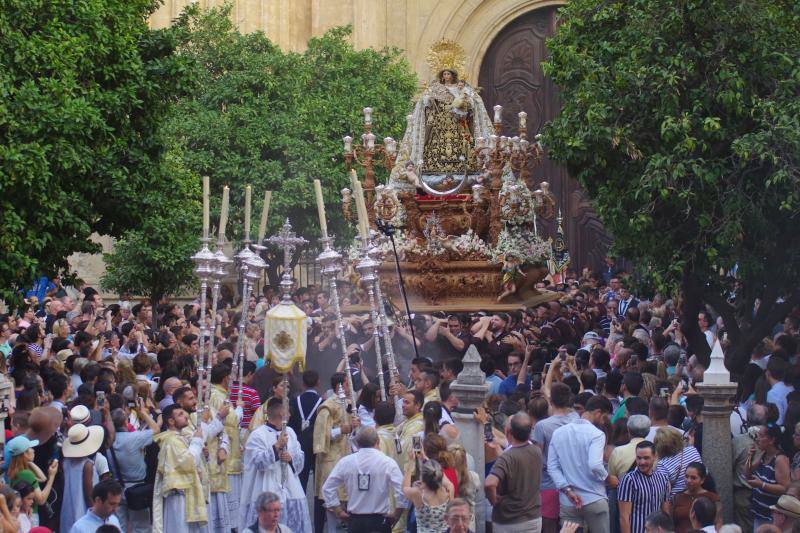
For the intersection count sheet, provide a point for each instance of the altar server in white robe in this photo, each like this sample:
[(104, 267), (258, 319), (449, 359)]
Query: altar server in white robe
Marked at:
[(273, 463)]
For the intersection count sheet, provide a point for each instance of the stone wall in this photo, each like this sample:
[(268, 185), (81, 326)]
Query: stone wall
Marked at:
[(412, 25)]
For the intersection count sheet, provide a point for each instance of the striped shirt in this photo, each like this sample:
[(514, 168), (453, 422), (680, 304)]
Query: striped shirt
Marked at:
[(761, 500), (674, 467), (645, 492), (250, 400)]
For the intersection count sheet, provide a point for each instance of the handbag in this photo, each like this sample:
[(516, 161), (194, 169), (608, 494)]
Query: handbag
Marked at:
[(139, 496)]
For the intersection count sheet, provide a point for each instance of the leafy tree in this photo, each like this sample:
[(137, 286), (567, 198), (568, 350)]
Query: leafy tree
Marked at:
[(682, 120), (275, 119), (84, 87), (155, 259)]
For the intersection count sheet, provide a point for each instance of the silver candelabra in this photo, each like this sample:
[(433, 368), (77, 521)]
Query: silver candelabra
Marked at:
[(367, 268), (331, 262), (250, 267), (204, 259)]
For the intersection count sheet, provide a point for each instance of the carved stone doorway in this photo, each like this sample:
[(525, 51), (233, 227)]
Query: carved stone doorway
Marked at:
[(511, 75)]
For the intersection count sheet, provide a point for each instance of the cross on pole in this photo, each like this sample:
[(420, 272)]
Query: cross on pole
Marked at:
[(288, 241)]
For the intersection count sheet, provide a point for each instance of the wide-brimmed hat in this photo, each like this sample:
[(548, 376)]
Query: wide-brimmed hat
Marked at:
[(80, 414), (82, 441), (43, 422), (20, 444), (591, 336), (788, 505), (64, 354)]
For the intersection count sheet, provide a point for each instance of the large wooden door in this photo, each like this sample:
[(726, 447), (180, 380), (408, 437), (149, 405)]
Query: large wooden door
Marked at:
[(511, 75)]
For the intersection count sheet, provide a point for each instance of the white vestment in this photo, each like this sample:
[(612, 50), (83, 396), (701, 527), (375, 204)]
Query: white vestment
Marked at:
[(263, 473)]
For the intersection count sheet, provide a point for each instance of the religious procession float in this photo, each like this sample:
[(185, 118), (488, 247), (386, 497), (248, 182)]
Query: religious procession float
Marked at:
[(459, 205)]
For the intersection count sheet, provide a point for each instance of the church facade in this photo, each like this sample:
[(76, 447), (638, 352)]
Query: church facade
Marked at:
[(504, 41)]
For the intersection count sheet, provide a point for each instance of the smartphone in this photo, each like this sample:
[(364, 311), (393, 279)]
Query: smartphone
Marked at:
[(663, 392), (101, 398), (546, 368), (487, 432), (416, 444)]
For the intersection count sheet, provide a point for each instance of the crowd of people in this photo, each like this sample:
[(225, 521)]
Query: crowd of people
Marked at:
[(591, 420)]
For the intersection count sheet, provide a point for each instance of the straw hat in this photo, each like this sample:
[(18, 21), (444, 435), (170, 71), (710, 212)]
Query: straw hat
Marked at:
[(80, 414), (787, 505), (82, 441)]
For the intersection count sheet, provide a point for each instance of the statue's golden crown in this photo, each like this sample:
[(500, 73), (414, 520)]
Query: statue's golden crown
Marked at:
[(446, 55)]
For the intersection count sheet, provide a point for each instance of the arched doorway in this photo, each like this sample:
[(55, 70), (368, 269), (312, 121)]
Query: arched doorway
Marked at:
[(511, 75)]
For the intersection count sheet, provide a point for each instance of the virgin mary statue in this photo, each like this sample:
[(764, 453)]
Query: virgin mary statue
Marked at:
[(442, 132)]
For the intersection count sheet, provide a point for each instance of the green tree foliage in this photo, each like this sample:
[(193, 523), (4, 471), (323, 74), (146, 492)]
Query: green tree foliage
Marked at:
[(155, 259), (83, 90), (276, 119), (682, 120)]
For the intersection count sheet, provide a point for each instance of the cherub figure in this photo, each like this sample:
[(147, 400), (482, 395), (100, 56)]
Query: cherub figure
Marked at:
[(510, 271), (412, 178)]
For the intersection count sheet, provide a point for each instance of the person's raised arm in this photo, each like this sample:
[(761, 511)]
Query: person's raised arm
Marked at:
[(41, 495), (145, 414), (548, 380), (433, 331), (410, 491)]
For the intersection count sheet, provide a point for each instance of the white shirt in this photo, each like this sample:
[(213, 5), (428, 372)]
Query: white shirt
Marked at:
[(651, 436), (383, 472)]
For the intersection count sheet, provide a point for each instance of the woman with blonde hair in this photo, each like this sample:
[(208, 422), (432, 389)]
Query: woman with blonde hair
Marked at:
[(435, 448), (61, 329), (468, 481), (674, 456), (429, 496)]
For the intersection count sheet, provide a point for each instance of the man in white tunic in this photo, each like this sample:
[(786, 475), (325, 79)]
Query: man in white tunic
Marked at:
[(179, 504), (273, 462)]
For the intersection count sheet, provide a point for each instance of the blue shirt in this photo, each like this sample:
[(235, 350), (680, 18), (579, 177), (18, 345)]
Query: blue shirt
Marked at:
[(575, 459), (129, 451), (494, 384), (509, 385), (89, 523)]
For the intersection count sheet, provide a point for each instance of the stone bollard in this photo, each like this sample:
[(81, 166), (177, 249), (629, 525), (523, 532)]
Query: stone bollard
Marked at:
[(717, 391), (470, 388)]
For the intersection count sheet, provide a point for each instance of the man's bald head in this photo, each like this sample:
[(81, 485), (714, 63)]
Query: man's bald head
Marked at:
[(520, 426), (757, 415)]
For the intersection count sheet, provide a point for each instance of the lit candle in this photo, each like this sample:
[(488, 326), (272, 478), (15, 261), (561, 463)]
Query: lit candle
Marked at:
[(348, 144), (498, 113), (248, 193), (370, 139), (361, 209), (523, 120), (206, 205), (367, 115), (262, 226), (323, 225), (223, 214)]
